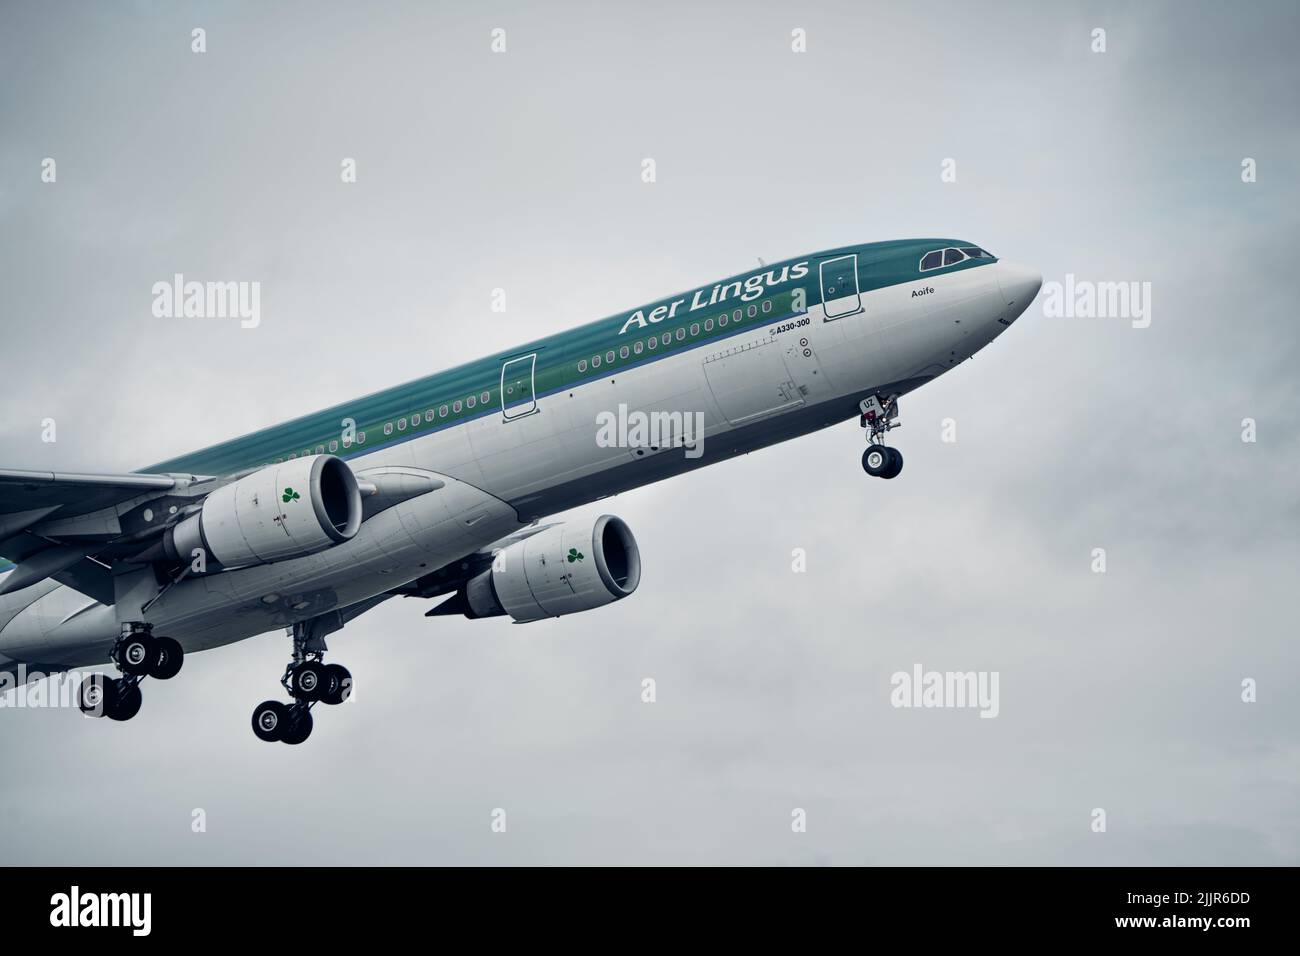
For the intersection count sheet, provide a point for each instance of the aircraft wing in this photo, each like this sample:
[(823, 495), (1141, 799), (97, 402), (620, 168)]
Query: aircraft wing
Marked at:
[(73, 527), (25, 492), (51, 523)]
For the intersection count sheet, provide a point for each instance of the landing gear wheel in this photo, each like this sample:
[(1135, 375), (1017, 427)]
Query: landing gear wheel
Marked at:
[(124, 703), (94, 694), (299, 727), (337, 686), (137, 655), (170, 657), (876, 460), (270, 720), (307, 681), (895, 464)]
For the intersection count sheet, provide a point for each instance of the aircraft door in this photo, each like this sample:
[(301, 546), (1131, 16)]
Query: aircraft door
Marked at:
[(839, 278), (518, 388)]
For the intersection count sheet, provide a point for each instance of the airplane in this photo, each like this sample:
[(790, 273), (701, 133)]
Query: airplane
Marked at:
[(440, 488)]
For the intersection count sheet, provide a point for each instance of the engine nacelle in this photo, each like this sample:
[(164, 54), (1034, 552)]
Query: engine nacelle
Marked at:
[(567, 568), (289, 510)]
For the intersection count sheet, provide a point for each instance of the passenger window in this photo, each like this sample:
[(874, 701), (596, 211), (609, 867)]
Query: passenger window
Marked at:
[(708, 325), (735, 316), (456, 406), (637, 347), (952, 256), (767, 305), (753, 311), (652, 342), (595, 361), (609, 356), (722, 319), (485, 397), (401, 424), (932, 260), (582, 366), (442, 412), (428, 416), (388, 428), (681, 334), (320, 449), (695, 328), (361, 438), (622, 353), (667, 338), (471, 401)]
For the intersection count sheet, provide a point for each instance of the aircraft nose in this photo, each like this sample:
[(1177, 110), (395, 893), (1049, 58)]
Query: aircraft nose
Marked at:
[(1019, 284)]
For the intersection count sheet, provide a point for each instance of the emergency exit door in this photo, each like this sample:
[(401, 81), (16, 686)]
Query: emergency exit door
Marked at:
[(518, 389)]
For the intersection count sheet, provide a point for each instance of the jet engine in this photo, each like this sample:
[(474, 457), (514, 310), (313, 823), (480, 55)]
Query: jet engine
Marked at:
[(566, 568), (288, 510)]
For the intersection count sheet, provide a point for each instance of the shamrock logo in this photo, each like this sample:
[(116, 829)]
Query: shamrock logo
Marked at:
[(574, 555), (289, 495)]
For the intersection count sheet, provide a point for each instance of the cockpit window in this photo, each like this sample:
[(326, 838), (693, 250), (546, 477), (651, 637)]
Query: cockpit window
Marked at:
[(975, 252), (952, 256), (932, 260)]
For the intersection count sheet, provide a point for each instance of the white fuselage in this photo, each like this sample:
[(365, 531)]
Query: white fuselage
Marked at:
[(763, 385)]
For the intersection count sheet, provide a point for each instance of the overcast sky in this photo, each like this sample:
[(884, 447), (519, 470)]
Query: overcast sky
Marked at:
[(521, 171)]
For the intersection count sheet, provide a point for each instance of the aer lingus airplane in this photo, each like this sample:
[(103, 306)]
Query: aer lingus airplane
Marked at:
[(436, 487)]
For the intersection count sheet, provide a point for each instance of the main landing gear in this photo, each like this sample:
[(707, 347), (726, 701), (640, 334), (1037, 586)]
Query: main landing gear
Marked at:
[(309, 680), (880, 461), (138, 654)]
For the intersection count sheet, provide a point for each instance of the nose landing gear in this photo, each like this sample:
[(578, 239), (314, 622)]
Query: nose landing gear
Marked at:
[(309, 680), (880, 461)]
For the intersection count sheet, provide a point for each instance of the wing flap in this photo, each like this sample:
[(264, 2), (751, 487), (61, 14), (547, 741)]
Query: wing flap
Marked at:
[(90, 578)]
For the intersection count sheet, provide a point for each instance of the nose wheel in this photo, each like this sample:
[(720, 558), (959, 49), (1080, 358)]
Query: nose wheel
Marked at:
[(880, 461), (879, 416)]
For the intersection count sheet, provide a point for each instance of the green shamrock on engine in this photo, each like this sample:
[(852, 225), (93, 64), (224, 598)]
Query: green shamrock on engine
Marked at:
[(574, 555), (289, 495)]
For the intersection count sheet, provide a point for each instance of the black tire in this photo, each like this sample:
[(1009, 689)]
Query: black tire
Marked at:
[(307, 682), (299, 727), (875, 460), (170, 658), (94, 694), (270, 720), (895, 463), (338, 684), (125, 702), (137, 655)]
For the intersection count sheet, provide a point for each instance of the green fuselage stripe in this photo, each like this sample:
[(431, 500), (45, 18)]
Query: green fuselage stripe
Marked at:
[(557, 365)]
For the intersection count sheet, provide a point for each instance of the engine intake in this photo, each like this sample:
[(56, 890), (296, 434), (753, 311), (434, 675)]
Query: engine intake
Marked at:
[(561, 570), (289, 510)]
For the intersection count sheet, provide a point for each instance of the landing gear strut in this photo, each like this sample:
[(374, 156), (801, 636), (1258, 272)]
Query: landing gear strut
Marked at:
[(309, 680), (880, 461), (138, 654)]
